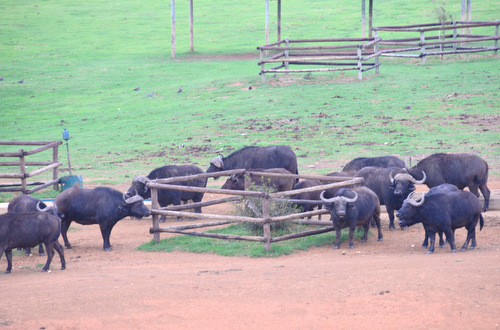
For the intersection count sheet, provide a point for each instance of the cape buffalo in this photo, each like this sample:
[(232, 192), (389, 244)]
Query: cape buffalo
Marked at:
[(26, 230), (461, 170), (444, 212), (256, 157), (381, 161), (353, 207), (311, 195), (167, 197), (237, 181), (103, 206), (27, 204), (391, 185)]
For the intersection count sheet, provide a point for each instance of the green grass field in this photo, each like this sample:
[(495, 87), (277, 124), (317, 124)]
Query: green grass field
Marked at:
[(80, 64)]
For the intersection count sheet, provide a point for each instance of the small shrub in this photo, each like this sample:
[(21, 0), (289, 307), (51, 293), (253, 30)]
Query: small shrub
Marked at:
[(252, 207)]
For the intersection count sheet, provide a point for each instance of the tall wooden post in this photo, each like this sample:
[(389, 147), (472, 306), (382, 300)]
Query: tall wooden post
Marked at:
[(422, 46), (267, 225), (155, 206), (495, 44), (22, 164), (55, 171), (370, 18), (363, 18), (172, 17), (267, 22), (279, 20)]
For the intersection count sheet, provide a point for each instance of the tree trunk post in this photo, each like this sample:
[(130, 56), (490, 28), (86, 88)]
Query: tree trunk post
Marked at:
[(267, 225), (155, 205)]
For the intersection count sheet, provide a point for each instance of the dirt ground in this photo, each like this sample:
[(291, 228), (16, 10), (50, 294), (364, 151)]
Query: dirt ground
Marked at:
[(388, 284)]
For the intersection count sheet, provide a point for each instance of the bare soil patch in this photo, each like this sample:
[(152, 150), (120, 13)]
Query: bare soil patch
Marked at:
[(389, 284)]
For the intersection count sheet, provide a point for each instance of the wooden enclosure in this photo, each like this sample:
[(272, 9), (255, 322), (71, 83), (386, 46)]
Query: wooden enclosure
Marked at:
[(438, 39), (320, 55), (266, 220), (22, 163)]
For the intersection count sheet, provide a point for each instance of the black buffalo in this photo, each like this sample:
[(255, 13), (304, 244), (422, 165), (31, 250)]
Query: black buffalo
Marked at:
[(308, 196), (26, 230), (238, 182), (444, 212), (381, 161), (257, 157), (103, 206), (351, 208), (167, 197), (461, 170), (442, 188), (27, 204), (391, 185)]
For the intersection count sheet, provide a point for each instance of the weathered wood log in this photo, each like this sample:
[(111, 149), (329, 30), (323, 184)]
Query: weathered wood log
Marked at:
[(202, 204), (199, 225), (17, 163), (211, 235), (43, 169), (207, 216), (45, 147), (44, 185), (302, 234), (197, 176), (25, 143)]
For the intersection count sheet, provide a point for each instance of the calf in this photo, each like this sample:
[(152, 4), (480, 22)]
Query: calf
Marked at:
[(27, 230), (444, 212), (353, 207)]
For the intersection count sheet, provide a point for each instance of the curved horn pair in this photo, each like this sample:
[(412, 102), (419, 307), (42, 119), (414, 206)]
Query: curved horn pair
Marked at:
[(141, 178), (339, 198), (217, 161), (406, 177), (132, 199), (413, 202)]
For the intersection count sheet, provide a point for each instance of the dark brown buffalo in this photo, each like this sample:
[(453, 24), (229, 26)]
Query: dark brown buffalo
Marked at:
[(27, 230), (102, 206), (28, 204), (381, 161), (351, 208), (308, 196), (277, 156), (461, 170), (444, 212)]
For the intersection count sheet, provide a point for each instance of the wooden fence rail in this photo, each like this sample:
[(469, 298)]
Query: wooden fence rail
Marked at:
[(318, 55), (446, 44), (266, 220), (23, 174)]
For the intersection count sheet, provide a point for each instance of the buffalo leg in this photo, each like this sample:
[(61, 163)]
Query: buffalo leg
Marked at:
[(366, 226), (351, 236), (486, 194), (432, 238), (50, 254), (40, 250), (376, 218), (450, 237), (64, 232), (106, 232), (58, 247), (338, 233), (390, 212), (8, 255)]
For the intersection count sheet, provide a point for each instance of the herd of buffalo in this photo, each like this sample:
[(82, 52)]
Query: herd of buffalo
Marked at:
[(387, 181)]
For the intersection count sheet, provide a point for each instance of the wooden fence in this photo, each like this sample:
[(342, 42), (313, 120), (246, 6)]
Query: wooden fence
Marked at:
[(266, 220), (320, 55), (434, 40), (22, 163)]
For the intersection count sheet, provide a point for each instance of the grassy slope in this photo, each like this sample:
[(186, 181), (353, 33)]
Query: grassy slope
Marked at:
[(80, 64)]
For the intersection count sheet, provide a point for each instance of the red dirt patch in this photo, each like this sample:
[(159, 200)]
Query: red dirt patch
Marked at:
[(389, 284)]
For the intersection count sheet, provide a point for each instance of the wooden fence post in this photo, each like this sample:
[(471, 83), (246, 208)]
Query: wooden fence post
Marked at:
[(155, 205), (55, 171), (422, 46), (454, 35), (287, 54), (377, 58), (360, 66), (22, 164), (495, 44), (262, 66), (267, 225)]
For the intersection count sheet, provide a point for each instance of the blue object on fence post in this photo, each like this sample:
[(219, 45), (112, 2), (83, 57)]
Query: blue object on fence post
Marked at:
[(71, 181), (66, 138)]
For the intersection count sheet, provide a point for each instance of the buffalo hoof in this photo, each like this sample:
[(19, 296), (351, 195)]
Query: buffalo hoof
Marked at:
[(453, 251), (63, 267), (380, 239), (68, 247), (392, 228), (429, 252), (7, 272), (472, 248), (335, 247), (42, 254), (108, 249), (404, 228), (424, 246)]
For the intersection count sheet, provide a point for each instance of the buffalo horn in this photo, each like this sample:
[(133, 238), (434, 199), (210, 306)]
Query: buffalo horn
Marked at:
[(217, 161), (39, 209), (414, 202), (134, 199), (407, 177), (339, 198)]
